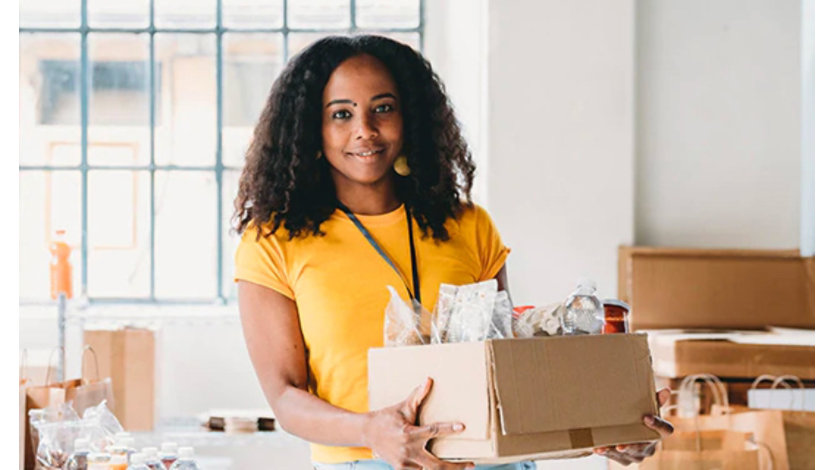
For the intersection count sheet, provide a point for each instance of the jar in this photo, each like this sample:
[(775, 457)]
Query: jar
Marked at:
[(616, 316)]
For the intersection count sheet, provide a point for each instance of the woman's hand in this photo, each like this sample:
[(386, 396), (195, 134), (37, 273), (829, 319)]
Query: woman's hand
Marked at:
[(393, 437), (635, 453)]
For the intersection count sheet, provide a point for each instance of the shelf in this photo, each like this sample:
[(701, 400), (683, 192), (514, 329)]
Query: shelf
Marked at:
[(188, 432)]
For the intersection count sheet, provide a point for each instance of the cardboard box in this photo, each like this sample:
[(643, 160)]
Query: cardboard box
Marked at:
[(527, 398), (676, 357), (128, 357), (732, 289)]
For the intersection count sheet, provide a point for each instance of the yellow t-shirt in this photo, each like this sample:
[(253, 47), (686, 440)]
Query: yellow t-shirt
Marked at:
[(338, 282)]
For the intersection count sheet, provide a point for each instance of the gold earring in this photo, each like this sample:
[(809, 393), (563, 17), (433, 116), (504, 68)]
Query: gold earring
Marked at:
[(318, 155), (401, 166)]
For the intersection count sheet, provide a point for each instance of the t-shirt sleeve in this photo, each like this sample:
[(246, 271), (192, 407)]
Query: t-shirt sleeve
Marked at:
[(491, 250), (261, 261)]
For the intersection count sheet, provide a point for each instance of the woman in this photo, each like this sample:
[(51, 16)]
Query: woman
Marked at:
[(357, 178)]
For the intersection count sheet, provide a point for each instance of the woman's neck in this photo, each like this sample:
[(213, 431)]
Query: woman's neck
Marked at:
[(369, 200)]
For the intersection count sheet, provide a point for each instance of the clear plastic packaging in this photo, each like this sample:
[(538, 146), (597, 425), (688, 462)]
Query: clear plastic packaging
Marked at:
[(583, 311), (502, 317), (538, 321), (471, 314), (402, 324)]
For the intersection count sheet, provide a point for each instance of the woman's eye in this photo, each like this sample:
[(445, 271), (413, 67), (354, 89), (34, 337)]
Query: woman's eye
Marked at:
[(384, 108), (341, 114)]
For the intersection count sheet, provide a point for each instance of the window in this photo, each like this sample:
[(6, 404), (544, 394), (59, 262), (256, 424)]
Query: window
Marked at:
[(134, 118)]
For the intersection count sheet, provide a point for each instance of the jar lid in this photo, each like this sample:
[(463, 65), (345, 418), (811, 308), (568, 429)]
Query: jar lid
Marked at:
[(617, 303)]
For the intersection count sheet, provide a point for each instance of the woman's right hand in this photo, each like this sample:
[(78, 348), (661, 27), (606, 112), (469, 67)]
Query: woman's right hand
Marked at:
[(393, 437)]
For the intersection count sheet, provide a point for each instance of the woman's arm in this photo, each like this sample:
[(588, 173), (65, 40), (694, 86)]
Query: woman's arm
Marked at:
[(276, 348)]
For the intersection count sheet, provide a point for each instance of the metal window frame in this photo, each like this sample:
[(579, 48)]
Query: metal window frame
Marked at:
[(219, 168)]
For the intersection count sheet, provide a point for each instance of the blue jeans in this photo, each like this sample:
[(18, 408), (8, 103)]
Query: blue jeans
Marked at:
[(380, 465)]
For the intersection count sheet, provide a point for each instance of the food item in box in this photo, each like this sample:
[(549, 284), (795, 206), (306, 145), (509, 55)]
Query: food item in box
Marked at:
[(616, 316)]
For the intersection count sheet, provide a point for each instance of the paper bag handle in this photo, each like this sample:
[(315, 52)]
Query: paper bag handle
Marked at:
[(719, 392), (49, 367), (87, 347), (783, 380)]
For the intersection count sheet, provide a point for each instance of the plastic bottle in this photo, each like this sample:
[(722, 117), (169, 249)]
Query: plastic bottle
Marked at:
[(60, 271), (168, 455), (78, 459), (185, 460), (583, 313), (152, 458), (118, 462), (98, 461), (138, 461)]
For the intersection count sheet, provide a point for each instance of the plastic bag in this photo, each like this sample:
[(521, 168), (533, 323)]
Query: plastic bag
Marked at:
[(57, 440), (402, 323), (502, 316), (103, 426), (471, 315), (58, 428), (538, 321)]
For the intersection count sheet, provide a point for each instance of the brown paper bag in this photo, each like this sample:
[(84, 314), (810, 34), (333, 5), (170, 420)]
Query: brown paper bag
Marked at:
[(765, 426), (128, 357), (699, 450), (799, 426), (799, 437)]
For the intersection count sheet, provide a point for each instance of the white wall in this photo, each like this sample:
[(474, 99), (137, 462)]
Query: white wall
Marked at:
[(560, 133), (718, 123)]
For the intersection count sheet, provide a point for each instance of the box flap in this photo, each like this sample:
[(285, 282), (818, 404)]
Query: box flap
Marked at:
[(546, 384), (460, 391)]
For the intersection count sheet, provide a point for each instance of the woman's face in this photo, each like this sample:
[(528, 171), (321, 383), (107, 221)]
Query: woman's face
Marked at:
[(362, 126)]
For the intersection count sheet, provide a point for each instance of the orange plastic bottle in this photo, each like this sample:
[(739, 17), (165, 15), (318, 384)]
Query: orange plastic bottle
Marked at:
[(60, 271)]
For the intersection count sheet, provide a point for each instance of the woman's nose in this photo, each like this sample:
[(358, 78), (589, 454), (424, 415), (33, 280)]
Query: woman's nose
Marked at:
[(365, 128)]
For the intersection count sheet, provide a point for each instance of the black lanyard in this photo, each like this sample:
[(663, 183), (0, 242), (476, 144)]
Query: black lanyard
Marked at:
[(412, 295)]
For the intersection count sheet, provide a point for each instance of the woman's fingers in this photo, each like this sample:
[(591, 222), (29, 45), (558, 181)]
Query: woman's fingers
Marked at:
[(415, 399), (663, 396), (660, 425), (430, 431)]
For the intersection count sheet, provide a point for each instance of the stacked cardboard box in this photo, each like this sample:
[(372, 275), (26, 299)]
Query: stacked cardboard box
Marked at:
[(720, 295)]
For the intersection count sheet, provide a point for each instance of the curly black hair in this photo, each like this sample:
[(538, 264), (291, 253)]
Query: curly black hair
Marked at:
[(284, 183)]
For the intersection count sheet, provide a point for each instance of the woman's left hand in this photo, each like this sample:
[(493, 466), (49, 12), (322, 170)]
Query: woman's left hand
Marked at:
[(627, 454)]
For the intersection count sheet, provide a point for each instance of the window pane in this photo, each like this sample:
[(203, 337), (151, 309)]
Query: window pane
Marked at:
[(48, 201), (50, 13), (187, 125), (49, 105), (387, 13), (119, 91), (230, 238), (253, 13), (114, 14), (185, 14), (118, 231), (318, 13), (251, 62), (186, 235)]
